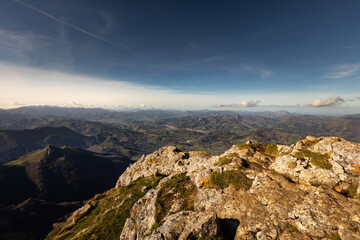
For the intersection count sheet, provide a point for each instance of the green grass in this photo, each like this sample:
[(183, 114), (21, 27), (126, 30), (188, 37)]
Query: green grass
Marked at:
[(308, 143), (225, 159), (207, 149), (352, 190), (103, 221), (285, 153), (299, 155), (179, 187), (335, 237), (36, 156), (223, 180), (272, 150), (317, 159), (200, 154), (211, 238), (261, 147), (291, 228)]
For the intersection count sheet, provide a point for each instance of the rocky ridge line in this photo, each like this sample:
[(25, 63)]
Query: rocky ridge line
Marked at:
[(308, 190)]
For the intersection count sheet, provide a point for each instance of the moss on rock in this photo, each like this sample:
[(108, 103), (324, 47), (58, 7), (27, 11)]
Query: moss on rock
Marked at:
[(234, 177)]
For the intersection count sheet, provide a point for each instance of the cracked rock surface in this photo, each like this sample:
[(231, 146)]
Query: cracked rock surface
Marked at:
[(309, 190)]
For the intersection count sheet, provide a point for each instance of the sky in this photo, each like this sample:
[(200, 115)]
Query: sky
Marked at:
[(300, 55)]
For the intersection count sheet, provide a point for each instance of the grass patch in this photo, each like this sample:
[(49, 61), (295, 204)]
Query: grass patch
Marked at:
[(308, 143), (272, 150), (285, 153), (257, 165), (299, 155), (225, 159), (335, 237), (291, 228), (318, 159), (348, 192), (200, 154), (211, 238), (261, 147), (35, 156), (352, 190), (223, 180), (105, 220), (292, 164), (179, 187)]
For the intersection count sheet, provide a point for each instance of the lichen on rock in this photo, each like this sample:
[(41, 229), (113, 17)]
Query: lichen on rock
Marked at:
[(308, 190)]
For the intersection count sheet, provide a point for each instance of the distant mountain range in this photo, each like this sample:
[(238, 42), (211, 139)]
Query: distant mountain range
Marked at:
[(99, 114), (130, 134)]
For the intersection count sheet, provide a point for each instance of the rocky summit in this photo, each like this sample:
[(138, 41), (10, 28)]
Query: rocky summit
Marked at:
[(309, 190)]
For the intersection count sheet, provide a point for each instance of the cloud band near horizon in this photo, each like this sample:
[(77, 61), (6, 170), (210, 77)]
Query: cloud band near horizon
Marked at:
[(21, 86)]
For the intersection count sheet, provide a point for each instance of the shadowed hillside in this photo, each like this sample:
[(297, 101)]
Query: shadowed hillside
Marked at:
[(44, 185), (69, 174), (13, 143)]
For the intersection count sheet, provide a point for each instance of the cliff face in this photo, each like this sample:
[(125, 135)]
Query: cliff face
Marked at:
[(309, 190)]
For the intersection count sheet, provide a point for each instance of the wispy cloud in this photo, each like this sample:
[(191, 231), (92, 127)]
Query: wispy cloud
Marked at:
[(109, 22), (33, 86), (69, 24), (262, 72), (62, 33), (329, 102), (350, 47), (343, 71), (19, 44), (245, 103), (353, 99), (289, 34)]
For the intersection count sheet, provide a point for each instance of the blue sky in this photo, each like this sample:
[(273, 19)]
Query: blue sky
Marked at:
[(182, 54)]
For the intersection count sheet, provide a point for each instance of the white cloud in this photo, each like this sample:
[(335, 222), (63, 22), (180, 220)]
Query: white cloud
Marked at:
[(15, 103), (329, 102), (244, 103), (343, 71), (143, 105), (73, 104)]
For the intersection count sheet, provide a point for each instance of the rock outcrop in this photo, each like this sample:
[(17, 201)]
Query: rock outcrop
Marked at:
[(309, 190)]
